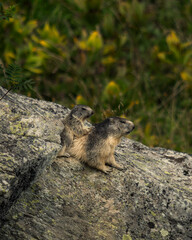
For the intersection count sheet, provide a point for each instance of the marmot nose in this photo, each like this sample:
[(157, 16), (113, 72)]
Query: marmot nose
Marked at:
[(133, 126), (92, 112)]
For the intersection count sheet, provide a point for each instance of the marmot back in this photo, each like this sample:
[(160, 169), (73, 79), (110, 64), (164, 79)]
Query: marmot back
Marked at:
[(98, 146), (74, 127)]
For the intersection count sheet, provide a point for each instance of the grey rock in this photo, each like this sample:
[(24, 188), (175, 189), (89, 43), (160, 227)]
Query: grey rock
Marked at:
[(62, 199), (29, 140)]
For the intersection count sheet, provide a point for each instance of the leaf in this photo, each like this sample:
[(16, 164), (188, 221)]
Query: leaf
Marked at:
[(15, 79), (95, 41), (186, 45), (108, 23), (34, 69), (108, 60), (187, 57), (13, 74), (27, 83), (7, 13), (52, 34), (1, 7), (9, 55), (124, 8), (109, 48)]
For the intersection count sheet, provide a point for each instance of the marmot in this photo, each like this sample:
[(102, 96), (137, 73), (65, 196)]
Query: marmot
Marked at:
[(74, 127), (98, 146)]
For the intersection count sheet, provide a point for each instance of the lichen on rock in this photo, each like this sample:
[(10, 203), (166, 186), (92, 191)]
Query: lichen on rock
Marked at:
[(29, 140), (49, 198)]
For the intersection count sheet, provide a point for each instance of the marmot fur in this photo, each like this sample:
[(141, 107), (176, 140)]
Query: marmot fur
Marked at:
[(98, 146), (74, 127)]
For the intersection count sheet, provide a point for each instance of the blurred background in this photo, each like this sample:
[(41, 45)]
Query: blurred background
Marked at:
[(126, 58)]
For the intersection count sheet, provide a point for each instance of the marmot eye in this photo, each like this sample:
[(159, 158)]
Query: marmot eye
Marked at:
[(122, 122), (84, 108)]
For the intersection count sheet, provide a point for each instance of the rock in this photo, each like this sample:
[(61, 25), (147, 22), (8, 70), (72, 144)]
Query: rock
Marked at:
[(150, 199), (29, 140)]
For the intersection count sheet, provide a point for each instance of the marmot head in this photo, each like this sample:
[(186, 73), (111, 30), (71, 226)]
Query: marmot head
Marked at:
[(81, 112), (118, 127)]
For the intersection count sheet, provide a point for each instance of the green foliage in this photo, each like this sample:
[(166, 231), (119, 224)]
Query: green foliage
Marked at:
[(128, 58), (13, 78), (7, 13)]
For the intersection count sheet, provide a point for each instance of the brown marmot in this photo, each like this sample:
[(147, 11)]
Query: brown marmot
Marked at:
[(98, 146), (74, 127)]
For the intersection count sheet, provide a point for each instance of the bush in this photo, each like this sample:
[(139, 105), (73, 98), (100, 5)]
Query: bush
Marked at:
[(125, 58)]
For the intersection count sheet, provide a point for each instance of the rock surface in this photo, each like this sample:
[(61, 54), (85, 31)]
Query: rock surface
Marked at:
[(29, 140), (150, 199)]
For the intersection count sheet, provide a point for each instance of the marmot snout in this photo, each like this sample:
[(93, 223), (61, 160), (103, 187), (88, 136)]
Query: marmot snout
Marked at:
[(117, 126), (81, 112)]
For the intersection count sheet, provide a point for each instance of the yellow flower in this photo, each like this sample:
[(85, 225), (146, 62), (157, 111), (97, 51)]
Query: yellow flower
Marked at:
[(95, 41), (81, 100), (82, 45), (44, 43), (47, 27), (112, 89), (172, 39), (186, 76), (93, 36), (161, 55)]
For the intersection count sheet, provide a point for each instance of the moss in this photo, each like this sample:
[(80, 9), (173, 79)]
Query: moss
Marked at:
[(154, 214), (135, 155), (127, 237), (156, 236), (108, 225), (7, 163), (15, 117), (164, 232), (2, 190), (19, 129), (53, 221), (36, 145), (102, 233), (15, 216), (186, 189)]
